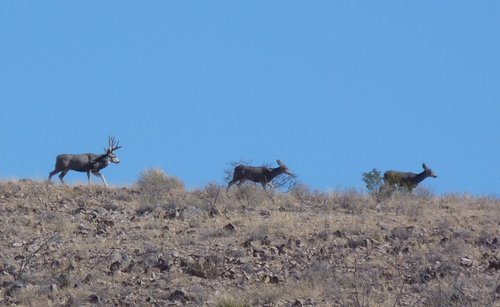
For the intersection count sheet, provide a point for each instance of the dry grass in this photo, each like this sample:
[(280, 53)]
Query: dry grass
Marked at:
[(155, 244)]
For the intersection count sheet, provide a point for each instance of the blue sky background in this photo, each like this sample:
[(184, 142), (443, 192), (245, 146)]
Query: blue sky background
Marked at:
[(332, 88)]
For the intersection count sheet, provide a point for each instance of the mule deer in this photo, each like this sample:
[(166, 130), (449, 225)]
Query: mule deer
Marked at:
[(89, 163), (263, 175), (405, 180)]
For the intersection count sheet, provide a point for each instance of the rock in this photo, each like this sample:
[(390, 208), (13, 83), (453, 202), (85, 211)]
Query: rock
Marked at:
[(281, 249), (266, 241), (178, 295), (163, 265), (94, 299), (466, 262), (229, 227), (274, 250), (270, 279), (88, 279), (248, 244), (173, 214), (494, 264), (358, 242), (114, 266), (213, 212)]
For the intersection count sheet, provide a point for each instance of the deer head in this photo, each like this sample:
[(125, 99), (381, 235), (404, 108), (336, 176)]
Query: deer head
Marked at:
[(112, 146)]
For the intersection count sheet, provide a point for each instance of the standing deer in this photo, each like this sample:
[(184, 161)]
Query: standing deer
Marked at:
[(89, 163), (405, 180), (263, 175)]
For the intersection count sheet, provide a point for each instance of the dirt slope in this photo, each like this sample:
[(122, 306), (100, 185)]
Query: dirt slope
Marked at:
[(159, 245)]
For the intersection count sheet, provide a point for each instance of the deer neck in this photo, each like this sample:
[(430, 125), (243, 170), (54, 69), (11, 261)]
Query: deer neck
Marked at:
[(420, 177), (274, 172), (101, 160)]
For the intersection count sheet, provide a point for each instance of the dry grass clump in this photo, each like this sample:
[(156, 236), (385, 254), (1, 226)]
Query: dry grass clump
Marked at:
[(155, 186)]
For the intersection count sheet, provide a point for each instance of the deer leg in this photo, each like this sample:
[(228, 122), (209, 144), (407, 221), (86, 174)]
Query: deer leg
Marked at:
[(88, 177), (53, 173), (102, 177), (62, 174), (229, 185), (241, 182)]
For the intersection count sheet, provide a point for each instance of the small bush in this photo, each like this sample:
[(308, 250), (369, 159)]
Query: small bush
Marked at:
[(231, 302), (351, 201), (373, 180), (156, 186)]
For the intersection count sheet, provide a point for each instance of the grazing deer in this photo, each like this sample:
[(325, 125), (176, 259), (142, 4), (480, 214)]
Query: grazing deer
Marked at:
[(89, 163), (263, 175), (405, 180)]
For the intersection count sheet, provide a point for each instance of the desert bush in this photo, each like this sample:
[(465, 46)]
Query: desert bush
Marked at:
[(209, 267), (252, 195), (448, 292), (404, 203), (156, 186), (231, 302), (351, 201), (303, 195), (209, 196), (373, 180)]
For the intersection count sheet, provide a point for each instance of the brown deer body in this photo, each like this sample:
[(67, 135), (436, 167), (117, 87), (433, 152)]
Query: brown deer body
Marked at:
[(259, 174), (89, 163), (406, 180)]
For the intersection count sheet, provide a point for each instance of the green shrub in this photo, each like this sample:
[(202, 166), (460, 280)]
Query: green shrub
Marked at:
[(373, 180)]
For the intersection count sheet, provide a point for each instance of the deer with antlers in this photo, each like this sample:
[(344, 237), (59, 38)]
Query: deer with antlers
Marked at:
[(89, 163)]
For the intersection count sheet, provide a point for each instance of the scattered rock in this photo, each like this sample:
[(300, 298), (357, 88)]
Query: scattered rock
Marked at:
[(179, 295), (229, 227), (163, 265), (266, 241), (88, 279), (265, 213), (358, 242), (494, 264), (270, 279), (466, 262), (94, 299), (248, 244), (173, 214), (114, 266), (213, 212)]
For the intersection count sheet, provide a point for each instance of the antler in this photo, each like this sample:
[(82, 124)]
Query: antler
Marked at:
[(113, 145)]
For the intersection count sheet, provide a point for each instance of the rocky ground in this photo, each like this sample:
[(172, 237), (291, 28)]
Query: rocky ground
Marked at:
[(155, 244)]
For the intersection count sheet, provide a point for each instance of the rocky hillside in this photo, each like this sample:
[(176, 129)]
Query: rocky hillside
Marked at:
[(155, 244)]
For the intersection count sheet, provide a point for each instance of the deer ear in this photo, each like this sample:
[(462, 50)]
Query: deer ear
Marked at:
[(424, 166), (279, 162)]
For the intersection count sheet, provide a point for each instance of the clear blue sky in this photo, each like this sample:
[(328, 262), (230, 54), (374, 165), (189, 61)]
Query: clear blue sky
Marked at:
[(332, 88)]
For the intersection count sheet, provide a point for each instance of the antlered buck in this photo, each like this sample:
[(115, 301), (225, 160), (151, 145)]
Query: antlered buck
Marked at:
[(259, 174), (89, 163), (406, 180)]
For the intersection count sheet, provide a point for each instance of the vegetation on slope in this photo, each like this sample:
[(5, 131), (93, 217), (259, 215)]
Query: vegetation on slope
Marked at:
[(155, 243)]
